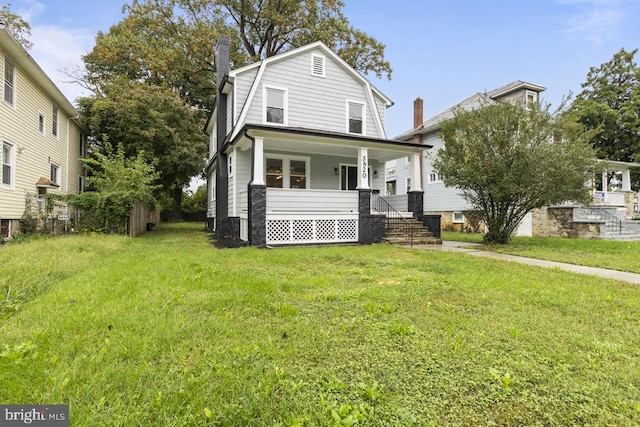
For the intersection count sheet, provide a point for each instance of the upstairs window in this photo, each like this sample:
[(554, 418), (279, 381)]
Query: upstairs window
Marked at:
[(55, 174), (355, 113), (41, 123), (275, 110), (54, 120), (7, 164), (9, 82), (531, 98)]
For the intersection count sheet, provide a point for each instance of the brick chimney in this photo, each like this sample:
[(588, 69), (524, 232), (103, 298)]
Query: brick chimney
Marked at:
[(418, 118)]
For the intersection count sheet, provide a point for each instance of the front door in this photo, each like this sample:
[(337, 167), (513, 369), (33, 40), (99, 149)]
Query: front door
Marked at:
[(348, 177)]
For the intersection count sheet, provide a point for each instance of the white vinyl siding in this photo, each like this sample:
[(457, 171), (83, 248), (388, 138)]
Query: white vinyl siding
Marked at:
[(312, 103)]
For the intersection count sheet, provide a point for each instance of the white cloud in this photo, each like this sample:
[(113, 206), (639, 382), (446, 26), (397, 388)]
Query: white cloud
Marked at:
[(595, 20), (57, 49)]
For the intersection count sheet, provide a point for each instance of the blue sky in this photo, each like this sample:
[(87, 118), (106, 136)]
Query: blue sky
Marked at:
[(442, 51)]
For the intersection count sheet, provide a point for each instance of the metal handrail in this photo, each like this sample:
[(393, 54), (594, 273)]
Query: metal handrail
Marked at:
[(394, 219), (612, 222)]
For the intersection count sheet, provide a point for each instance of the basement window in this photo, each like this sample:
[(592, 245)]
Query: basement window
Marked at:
[(458, 218)]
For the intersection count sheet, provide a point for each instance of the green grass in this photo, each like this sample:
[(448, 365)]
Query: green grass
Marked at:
[(616, 255), (167, 330)]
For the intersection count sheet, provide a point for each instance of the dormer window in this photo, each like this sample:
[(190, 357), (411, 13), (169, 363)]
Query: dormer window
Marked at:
[(275, 106), (355, 113), (317, 65), (531, 98)]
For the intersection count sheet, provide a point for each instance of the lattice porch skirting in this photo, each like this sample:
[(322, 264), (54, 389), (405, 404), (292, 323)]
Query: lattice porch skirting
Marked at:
[(312, 227)]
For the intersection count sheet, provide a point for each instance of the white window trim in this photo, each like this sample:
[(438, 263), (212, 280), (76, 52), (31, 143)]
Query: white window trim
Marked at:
[(11, 163), (438, 180), (59, 172), (286, 169), (315, 56), (526, 97), (14, 96), (407, 186), (364, 116), (285, 103), (55, 120), (44, 123), (459, 220), (230, 165)]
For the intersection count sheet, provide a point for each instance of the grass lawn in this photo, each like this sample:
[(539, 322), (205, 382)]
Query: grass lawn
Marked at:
[(616, 255), (166, 330)]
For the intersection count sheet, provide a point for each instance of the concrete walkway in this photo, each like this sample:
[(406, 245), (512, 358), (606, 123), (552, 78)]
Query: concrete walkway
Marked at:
[(472, 249)]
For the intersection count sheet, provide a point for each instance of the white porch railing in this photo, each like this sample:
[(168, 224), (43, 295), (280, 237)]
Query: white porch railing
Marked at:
[(311, 227)]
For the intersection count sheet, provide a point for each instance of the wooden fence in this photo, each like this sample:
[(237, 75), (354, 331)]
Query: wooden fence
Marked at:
[(142, 214)]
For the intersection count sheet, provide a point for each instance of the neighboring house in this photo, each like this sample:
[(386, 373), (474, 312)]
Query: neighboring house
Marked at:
[(41, 137), (298, 150), (447, 201)]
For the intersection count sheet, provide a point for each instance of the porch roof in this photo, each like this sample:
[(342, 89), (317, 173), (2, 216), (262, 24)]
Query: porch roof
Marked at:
[(324, 142)]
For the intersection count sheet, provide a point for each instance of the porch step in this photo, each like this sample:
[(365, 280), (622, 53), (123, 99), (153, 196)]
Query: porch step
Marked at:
[(397, 232)]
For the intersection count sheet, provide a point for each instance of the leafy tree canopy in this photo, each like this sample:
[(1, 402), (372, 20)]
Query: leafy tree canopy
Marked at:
[(610, 104), (173, 41), (116, 182), (16, 26), (153, 120), (508, 160)]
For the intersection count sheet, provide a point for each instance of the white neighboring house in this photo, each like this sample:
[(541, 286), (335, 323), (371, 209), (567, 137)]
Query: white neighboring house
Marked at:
[(42, 139), (297, 151), (447, 202)]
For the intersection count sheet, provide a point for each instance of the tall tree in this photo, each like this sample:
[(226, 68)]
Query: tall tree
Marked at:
[(610, 104), (172, 41), (16, 26), (507, 160), (152, 119)]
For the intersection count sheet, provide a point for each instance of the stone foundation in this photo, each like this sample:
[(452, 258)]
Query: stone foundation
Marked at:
[(559, 222)]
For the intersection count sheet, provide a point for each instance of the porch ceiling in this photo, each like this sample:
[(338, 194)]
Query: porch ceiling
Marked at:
[(329, 144)]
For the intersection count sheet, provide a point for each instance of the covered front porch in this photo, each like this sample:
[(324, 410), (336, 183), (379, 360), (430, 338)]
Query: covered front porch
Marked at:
[(291, 186), (612, 188)]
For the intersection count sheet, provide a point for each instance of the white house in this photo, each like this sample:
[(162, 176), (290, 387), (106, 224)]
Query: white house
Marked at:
[(297, 151), (42, 139), (617, 201)]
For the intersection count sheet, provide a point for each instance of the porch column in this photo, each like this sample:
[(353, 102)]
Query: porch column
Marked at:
[(257, 209), (605, 184), (363, 168), (415, 195), (258, 161), (416, 179), (626, 180)]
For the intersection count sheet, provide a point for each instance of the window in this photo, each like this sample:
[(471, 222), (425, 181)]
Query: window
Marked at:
[(391, 188), (7, 164), (275, 106), (408, 184), (355, 118), (230, 165), (54, 121), (434, 177), (286, 171), (298, 174), (55, 174), (41, 123), (531, 98), (317, 65), (458, 217), (9, 81), (274, 173)]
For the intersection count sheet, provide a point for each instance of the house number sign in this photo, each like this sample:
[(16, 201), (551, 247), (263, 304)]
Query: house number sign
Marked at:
[(364, 166)]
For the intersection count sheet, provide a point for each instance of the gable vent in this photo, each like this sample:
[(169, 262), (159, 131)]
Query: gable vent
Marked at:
[(317, 65)]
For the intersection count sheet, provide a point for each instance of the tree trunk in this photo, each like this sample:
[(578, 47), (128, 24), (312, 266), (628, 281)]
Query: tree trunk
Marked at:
[(176, 214)]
